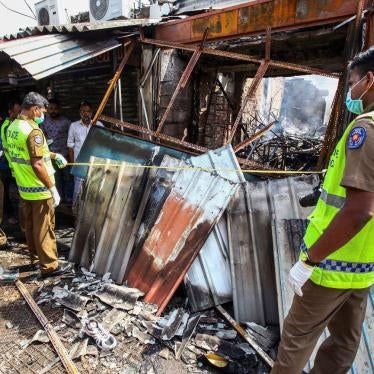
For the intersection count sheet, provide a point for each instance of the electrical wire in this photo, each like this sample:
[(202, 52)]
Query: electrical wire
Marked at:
[(15, 11), (31, 10), (207, 169)]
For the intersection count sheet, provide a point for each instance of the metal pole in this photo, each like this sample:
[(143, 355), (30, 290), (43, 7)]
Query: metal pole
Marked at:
[(251, 92), (119, 84), (113, 82), (52, 335)]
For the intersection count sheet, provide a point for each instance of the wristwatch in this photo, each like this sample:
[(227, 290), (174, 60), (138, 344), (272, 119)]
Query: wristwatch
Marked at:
[(304, 257)]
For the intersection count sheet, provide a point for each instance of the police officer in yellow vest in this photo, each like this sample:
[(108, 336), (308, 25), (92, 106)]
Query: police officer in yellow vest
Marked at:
[(31, 164), (335, 270)]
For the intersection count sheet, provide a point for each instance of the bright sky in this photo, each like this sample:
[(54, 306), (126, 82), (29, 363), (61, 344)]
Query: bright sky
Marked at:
[(10, 22)]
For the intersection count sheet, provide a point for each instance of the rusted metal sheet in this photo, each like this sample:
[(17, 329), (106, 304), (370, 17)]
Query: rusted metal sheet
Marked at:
[(188, 215), (288, 235), (243, 57), (220, 25), (309, 10), (250, 216), (208, 281), (127, 200), (254, 17), (250, 94), (122, 126)]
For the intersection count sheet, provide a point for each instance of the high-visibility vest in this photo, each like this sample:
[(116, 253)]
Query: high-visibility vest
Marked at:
[(4, 128), (29, 185), (352, 265)]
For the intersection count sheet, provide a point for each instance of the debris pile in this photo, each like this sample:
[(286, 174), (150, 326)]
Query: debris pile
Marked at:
[(197, 339)]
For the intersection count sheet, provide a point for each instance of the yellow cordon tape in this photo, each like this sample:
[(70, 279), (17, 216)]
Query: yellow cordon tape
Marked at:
[(252, 171)]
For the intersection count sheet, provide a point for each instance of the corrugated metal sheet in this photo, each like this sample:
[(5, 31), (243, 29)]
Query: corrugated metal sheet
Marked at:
[(44, 55), (188, 215), (254, 17), (125, 25), (93, 206), (120, 194), (250, 213), (208, 281), (288, 235), (104, 143), (188, 6)]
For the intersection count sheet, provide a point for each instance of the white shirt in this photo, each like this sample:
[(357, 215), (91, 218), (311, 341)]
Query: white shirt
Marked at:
[(77, 135)]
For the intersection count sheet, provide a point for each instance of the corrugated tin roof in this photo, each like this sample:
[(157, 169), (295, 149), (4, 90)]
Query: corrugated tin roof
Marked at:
[(251, 247), (208, 281), (105, 143), (126, 25), (188, 6), (44, 55), (188, 215)]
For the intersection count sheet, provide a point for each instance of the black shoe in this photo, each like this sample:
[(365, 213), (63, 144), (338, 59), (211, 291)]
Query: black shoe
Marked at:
[(62, 268)]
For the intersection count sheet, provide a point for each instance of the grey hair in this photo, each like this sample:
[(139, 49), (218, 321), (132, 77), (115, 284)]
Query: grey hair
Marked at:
[(34, 99)]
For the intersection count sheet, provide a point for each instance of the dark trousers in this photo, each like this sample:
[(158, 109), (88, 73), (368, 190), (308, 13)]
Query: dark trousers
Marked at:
[(11, 198), (341, 311)]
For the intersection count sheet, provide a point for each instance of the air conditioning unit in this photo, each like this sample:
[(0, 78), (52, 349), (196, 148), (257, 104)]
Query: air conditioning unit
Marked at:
[(50, 12), (104, 10), (58, 12)]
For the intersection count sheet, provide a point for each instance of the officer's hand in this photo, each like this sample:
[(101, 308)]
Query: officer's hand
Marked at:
[(298, 275), (60, 161), (55, 196)]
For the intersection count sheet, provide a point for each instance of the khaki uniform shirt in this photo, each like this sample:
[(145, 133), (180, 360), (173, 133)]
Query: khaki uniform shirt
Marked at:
[(359, 167), (35, 141)]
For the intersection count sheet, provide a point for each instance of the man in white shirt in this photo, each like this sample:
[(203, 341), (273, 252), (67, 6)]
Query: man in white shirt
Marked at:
[(78, 132)]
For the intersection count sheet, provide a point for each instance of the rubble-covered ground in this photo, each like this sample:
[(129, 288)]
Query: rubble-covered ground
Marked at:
[(174, 343)]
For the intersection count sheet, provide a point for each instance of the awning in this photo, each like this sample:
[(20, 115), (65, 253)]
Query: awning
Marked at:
[(44, 55)]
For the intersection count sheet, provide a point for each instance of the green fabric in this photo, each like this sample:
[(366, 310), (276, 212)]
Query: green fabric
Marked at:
[(29, 185), (4, 127), (360, 249)]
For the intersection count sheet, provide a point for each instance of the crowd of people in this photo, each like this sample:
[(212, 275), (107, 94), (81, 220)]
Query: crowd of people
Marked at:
[(38, 146)]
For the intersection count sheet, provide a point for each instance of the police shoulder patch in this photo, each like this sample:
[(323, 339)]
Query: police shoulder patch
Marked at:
[(356, 137), (38, 139)]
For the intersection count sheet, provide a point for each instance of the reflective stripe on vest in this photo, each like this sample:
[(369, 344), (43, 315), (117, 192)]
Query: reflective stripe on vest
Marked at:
[(22, 161), (333, 200), (32, 189), (352, 265), (343, 266), (29, 185)]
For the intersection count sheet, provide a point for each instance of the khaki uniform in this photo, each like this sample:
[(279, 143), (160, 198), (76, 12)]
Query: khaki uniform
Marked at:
[(39, 219), (342, 311)]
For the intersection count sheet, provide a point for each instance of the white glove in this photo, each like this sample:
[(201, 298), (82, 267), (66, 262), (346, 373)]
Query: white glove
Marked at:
[(55, 196), (298, 275), (60, 161)]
